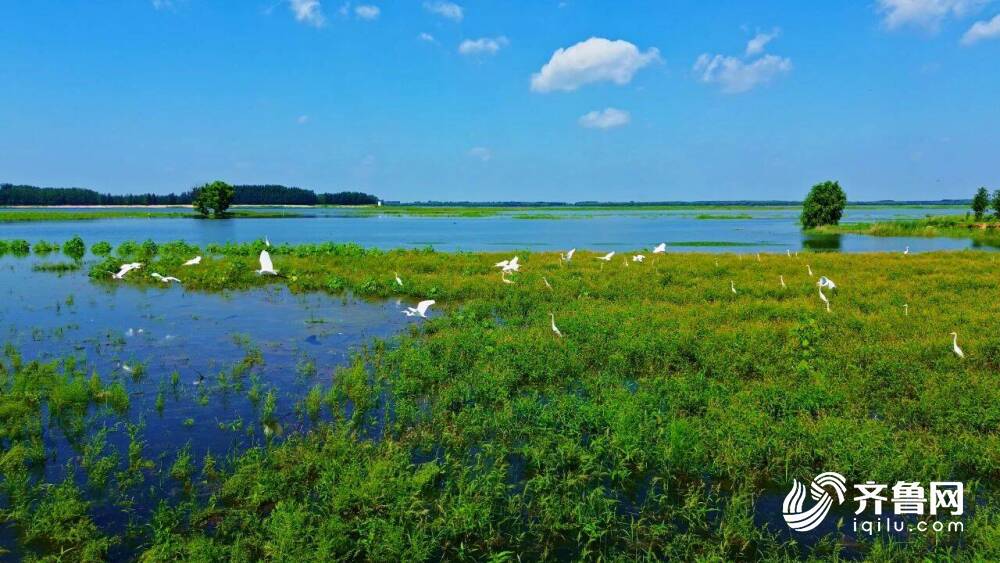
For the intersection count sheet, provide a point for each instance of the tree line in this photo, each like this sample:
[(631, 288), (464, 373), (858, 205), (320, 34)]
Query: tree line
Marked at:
[(267, 194)]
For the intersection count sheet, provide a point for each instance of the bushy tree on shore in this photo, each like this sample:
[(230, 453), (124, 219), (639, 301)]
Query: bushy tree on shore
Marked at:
[(214, 198), (996, 203), (980, 203), (824, 205)]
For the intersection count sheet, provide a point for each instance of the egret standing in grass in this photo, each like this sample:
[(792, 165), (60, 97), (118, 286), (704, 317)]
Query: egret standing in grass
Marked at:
[(808, 267), (420, 310), (823, 298), (193, 262), (827, 283), (547, 284), (906, 251), (732, 286), (782, 278), (906, 309), (266, 266), (399, 281), (954, 345), (555, 329)]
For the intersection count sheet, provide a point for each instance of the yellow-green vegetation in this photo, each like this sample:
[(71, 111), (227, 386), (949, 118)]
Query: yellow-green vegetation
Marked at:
[(17, 216), (652, 429), (956, 226)]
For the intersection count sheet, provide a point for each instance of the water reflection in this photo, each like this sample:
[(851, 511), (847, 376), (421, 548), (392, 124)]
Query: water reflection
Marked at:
[(822, 243)]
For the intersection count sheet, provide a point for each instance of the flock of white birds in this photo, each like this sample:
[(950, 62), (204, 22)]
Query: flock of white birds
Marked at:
[(513, 265)]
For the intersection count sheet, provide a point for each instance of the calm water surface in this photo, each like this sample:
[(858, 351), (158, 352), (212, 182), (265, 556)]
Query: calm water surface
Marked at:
[(769, 230)]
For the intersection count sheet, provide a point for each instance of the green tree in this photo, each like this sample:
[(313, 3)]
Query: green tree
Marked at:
[(980, 203), (996, 203), (824, 205), (214, 198)]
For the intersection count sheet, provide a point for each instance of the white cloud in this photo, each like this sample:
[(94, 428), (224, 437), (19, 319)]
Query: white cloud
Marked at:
[(482, 153), (367, 12), (605, 119), (986, 29), (424, 36), (735, 75), (447, 10), (756, 45), (302, 119), (927, 14), (309, 12), (482, 46), (163, 4), (594, 60)]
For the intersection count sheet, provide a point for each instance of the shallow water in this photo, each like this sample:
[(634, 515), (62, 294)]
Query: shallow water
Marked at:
[(769, 230), (119, 330)]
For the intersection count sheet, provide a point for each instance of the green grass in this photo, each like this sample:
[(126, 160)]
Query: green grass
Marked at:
[(954, 226), (12, 216), (650, 431), (721, 217)]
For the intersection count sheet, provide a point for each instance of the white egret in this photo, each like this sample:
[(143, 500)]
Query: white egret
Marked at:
[(511, 265), (660, 248), (906, 309), (568, 255), (165, 279), (127, 368), (808, 267), (625, 261), (758, 256), (954, 345), (638, 258), (126, 268), (907, 251), (503, 277), (788, 253), (732, 286), (399, 281), (555, 329), (194, 261), (607, 257), (547, 284), (267, 242), (827, 283), (782, 278), (420, 310), (824, 299), (266, 266)]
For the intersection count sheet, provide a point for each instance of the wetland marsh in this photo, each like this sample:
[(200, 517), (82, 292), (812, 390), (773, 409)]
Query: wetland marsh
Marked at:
[(310, 420)]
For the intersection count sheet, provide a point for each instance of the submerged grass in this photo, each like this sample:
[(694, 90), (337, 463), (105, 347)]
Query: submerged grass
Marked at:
[(651, 430)]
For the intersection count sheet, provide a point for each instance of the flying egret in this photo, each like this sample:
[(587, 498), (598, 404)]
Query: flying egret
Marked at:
[(194, 261), (732, 286), (568, 255), (823, 298), (399, 281), (808, 267), (607, 257), (266, 266), (954, 345), (782, 278), (660, 248), (165, 279), (555, 329), (638, 258), (827, 283), (511, 265), (200, 380), (547, 284), (907, 251), (420, 310), (126, 268)]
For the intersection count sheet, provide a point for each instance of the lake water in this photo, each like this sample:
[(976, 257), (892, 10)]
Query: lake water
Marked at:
[(768, 230)]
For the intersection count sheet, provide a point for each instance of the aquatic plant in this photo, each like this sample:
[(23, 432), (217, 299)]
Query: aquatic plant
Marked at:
[(74, 248)]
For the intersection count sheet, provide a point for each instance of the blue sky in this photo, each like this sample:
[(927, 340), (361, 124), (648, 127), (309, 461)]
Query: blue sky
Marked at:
[(475, 100)]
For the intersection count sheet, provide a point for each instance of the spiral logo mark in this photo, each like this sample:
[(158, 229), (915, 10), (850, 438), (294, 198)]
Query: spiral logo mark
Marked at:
[(819, 489)]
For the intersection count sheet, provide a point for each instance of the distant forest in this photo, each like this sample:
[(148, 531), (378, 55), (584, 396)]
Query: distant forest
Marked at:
[(11, 194)]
